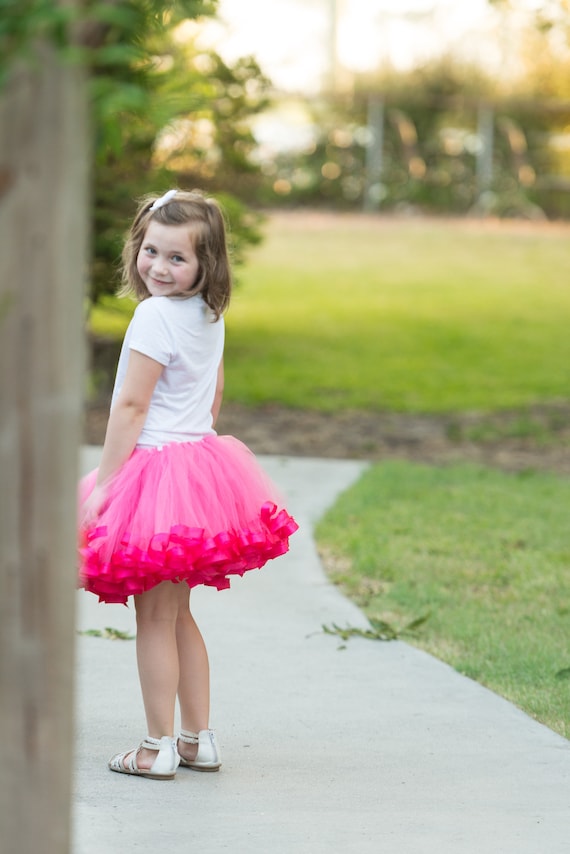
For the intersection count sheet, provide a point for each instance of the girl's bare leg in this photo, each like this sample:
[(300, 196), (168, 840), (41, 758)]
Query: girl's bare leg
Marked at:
[(157, 656), (194, 676)]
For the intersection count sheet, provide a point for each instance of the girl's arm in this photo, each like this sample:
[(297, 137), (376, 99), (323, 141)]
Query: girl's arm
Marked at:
[(125, 423), (217, 404)]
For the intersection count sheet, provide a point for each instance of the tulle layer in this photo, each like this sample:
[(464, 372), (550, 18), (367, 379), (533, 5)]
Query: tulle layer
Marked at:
[(197, 512)]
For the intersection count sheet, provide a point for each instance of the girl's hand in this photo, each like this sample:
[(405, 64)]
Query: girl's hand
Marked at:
[(94, 505)]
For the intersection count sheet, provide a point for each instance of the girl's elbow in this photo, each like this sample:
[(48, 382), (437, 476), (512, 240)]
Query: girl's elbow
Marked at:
[(134, 409)]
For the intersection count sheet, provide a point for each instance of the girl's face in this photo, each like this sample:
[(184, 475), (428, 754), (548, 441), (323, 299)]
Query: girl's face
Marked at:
[(167, 262)]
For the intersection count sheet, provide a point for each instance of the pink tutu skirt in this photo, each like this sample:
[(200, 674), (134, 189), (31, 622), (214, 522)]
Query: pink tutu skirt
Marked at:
[(197, 512)]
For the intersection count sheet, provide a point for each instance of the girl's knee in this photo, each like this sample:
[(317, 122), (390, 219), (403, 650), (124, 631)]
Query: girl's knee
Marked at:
[(184, 617), (159, 603)]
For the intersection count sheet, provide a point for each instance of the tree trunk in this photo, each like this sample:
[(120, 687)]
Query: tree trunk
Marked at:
[(43, 216)]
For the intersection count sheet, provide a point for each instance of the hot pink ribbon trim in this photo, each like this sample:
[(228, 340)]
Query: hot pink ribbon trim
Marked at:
[(182, 554)]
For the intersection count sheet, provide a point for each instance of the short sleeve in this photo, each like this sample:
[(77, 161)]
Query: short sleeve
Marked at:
[(150, 334)]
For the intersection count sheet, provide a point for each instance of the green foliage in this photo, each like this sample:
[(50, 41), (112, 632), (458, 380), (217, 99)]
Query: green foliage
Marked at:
[(127, 43), (107, 633), (379, 630), (24, 22), (244, 227), (486, 554), (143, 79), (150, 102), (98, 33), (208, 141)]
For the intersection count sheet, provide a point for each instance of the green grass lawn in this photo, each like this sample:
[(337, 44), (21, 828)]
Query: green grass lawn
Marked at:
[(418, 316), (485, 554), (381, 314)]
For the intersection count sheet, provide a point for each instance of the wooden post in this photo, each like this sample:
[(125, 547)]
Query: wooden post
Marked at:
[(43, 215)]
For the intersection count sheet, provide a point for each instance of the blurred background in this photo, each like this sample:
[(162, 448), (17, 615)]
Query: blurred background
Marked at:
[(396, 175), (397, 178), (409, 106)]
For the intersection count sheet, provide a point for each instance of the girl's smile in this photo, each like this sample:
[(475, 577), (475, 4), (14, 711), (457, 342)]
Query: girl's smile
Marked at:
[(167, 262)]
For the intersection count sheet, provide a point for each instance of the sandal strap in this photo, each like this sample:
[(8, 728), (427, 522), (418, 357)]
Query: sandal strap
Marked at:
[(188, 737), (132, 764), (164, 766), (150, 743), (117, 762)]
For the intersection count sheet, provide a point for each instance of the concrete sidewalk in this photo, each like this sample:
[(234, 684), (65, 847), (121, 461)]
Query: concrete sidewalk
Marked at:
[(376, 747)]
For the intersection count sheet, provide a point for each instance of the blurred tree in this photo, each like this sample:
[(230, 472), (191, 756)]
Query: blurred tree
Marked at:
[(550, 13), (540, 102), (155, 93), (434, 136), (428, 148), (431, 138)]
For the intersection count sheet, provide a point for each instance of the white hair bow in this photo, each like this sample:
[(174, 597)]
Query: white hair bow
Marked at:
[(163, 200)]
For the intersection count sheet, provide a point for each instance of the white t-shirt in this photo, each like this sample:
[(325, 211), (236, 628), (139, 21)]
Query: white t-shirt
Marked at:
[(182, 335)]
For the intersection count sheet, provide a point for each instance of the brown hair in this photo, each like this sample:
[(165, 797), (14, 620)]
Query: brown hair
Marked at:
[(208, 234)]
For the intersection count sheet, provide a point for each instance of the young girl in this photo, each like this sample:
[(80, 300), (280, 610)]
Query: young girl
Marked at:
[(172, 504)]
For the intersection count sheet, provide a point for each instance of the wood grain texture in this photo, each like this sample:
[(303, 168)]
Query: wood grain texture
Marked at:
[(43, 227)]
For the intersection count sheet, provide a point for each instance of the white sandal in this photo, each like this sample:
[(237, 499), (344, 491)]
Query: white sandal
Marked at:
[(164, 766), (208, 756)]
